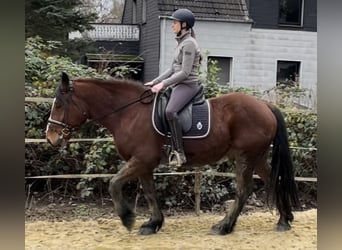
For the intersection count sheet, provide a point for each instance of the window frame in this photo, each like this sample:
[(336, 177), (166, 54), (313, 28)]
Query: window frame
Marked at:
[(294, 80)]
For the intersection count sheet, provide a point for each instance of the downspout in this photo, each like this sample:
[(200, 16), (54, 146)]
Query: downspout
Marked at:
[(162, 45)]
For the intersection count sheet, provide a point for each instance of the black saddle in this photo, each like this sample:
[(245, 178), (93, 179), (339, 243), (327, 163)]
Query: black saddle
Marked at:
[(194, 117)]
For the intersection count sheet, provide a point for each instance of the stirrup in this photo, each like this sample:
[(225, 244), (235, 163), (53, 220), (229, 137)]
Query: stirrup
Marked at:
[(176, 159)]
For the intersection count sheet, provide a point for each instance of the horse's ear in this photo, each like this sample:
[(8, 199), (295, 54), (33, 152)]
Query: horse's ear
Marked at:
[(65, 82)]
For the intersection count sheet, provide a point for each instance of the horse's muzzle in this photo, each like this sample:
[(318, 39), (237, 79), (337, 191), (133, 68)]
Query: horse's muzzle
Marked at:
[(57, 139)]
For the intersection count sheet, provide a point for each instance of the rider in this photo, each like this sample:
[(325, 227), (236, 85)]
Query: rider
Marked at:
[(182, 76)]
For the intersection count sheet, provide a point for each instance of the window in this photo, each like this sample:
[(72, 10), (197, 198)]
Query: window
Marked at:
[(288, 72), (290, 12), (224, 64)]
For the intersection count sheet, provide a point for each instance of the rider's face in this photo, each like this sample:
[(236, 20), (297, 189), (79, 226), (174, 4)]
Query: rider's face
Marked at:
[(176, 26)]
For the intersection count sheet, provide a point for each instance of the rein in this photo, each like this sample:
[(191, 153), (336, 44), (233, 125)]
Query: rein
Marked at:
[(67, 129), (141, 98)]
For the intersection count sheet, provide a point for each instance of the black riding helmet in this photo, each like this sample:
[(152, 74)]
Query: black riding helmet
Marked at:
[(184, 15)]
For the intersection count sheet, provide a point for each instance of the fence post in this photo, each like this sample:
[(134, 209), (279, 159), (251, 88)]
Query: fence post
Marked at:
[(198, 177)]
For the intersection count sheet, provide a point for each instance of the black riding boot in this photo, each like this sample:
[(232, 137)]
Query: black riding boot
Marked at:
[(177, 156)]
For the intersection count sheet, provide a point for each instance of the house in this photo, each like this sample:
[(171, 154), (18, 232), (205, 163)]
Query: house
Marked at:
[(115, 45), (257, 43)]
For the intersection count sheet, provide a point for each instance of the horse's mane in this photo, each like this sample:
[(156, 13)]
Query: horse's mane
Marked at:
[(113, 83)]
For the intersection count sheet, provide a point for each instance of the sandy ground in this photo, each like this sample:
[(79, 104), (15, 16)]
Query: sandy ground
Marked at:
[(255, 230)]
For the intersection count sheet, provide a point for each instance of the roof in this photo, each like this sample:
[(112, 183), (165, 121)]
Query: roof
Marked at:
[(225, 10)]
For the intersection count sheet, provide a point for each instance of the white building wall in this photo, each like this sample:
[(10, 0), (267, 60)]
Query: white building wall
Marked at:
[(254, 51), (268, 46)]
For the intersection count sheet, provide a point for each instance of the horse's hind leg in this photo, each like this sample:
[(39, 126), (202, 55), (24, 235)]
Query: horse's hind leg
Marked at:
[(286, 216), (244, 178), (156, 221)]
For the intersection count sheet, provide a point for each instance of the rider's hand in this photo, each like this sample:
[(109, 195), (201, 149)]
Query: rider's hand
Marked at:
[(149, 83), (156, 88)]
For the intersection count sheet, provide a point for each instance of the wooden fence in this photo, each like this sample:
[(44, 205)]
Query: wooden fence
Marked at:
[(198, 173)]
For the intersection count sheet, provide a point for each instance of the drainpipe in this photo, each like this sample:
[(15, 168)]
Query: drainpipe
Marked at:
[(162, 44)]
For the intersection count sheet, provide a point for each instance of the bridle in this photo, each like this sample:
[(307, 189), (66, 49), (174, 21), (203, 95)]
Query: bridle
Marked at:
[(68, 129)]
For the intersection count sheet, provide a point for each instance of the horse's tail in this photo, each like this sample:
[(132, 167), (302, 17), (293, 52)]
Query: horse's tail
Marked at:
[(283, 185)]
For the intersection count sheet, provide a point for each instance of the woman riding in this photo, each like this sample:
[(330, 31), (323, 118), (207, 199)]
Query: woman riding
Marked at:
[(182, 77)]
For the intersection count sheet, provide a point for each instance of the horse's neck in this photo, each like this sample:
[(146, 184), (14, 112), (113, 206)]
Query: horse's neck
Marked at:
[(102, 97), (107, 104)]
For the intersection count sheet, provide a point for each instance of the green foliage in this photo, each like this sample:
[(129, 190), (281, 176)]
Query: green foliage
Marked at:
[(215, 190), (210, 77), (212, 89), (53, 20), (174, 191), (36, 115), (43, 69), (121, 71), (302, 130), (100, 158)]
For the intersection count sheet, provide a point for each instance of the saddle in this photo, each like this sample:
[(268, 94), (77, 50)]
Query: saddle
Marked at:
[(194, 117)]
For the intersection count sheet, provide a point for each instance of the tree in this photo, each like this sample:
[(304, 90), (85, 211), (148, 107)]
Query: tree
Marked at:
[(53, 20), (109, 11)]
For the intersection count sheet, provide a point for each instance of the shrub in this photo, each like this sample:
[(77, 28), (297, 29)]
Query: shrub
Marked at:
[(43, 68)]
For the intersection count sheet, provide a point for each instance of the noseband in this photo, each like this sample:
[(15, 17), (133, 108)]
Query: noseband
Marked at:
[(67, 129)]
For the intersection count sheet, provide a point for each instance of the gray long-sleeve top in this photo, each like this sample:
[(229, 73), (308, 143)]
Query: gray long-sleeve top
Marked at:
[(185, 63)]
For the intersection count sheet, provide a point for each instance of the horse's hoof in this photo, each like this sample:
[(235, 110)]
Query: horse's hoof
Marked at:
[(220, 229), (151, 227), (282, 227), (146, 231)]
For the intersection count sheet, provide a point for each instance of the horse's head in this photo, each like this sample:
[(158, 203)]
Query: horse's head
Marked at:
[(67, 113)]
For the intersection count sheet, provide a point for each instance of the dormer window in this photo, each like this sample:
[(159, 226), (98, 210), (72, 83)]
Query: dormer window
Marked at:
[(291, 12)]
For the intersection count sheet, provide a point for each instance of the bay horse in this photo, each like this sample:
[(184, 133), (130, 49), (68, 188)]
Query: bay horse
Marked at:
[(243, 128)]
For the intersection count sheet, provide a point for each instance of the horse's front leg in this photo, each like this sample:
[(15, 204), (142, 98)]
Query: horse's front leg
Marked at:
[(123, 209), (154, 224)]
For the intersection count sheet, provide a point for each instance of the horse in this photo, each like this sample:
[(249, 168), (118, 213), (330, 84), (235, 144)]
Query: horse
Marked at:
[(244, 128)]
